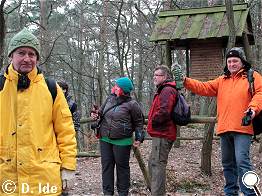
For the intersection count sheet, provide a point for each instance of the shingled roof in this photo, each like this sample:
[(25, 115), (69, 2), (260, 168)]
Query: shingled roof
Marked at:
[(200, 23)]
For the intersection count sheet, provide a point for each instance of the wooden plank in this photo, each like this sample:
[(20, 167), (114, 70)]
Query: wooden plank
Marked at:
[(180, 27), (164, 28), (216, 21), (205, 10), (196, 27), (242, 23)]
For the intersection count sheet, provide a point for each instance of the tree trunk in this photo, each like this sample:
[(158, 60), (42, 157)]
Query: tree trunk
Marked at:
[(231, 25), (258, 36), (247, 49), (140, 64), (44, 40), (102, 52), (168, 4), (2, 33), (119, 50), (79, 80)]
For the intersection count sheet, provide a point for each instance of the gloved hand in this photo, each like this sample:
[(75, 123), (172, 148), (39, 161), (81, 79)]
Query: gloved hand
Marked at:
[(178, 75), (139, 136), (67, 177), (247, 119)]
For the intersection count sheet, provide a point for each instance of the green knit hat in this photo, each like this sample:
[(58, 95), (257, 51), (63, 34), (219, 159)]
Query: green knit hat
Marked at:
[(125, 84), (24, 38)]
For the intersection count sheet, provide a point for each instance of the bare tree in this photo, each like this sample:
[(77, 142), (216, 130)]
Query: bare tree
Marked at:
[(141, 52), (44, 35), (2, 32), (102, 52), (231, 25), (120, 49)]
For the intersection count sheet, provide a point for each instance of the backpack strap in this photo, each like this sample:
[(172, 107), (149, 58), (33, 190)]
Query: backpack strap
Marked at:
[(51, 84), (251, 79), (2, 81)]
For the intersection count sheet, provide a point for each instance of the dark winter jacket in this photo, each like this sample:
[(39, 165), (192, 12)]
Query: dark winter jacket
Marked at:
[(75, 114), (122, 120), (160, 123)]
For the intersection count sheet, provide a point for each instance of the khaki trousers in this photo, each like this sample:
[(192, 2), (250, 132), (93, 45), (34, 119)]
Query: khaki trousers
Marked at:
[(157, 165)]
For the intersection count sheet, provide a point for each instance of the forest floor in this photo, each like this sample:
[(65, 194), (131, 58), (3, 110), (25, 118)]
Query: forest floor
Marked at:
[(184, 177)]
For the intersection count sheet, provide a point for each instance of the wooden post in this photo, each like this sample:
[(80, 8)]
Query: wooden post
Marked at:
[(177, 142), (247, 49), (168, 55), (207, 142), (142, 167), (187, 62), (231, 24)]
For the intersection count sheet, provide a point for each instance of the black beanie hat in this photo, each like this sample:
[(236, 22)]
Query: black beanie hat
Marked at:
[(237, 52)]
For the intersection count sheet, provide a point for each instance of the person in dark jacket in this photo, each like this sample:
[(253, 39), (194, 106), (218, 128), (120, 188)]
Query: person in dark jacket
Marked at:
[(75, 113), (161, 128), (72, 105), (120, 117)]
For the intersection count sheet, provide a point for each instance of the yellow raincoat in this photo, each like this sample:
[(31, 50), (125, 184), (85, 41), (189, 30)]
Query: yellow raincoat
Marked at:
[(37, 137)]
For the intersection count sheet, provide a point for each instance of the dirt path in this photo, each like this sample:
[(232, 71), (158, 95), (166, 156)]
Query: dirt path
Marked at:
[(184, 177)]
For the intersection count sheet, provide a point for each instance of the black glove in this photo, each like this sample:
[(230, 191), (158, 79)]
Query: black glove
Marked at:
[(246, 120), (139, 135)]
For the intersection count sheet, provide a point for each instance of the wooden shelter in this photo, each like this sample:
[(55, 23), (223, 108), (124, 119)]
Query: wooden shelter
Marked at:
[(203, 33)]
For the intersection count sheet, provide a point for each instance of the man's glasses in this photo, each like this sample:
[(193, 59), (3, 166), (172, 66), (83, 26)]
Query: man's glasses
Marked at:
[(159, 75)]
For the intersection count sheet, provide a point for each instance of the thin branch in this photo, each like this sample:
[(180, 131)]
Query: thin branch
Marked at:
[(14, 8), (53, 45), (72, 68), (148, 22)]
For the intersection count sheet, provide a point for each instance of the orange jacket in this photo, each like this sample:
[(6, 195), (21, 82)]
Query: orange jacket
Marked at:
[(233, 99)]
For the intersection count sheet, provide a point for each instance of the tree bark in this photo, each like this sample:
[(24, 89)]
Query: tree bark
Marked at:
[(102, 52), (44, 42), (119, 50), (231, 25), (2, 33), (141, 52)]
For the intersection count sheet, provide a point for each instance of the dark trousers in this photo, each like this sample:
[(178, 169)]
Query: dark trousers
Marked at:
[(112, 155)]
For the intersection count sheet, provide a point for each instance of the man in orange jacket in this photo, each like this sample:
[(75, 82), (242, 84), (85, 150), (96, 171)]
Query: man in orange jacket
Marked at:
[(233, 102)]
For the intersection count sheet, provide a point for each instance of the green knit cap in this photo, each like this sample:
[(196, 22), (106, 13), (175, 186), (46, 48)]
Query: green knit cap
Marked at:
[(24, 38), (125, 84)]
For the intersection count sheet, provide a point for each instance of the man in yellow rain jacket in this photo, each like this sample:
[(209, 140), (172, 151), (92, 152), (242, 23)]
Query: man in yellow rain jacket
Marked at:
[(37, 137)]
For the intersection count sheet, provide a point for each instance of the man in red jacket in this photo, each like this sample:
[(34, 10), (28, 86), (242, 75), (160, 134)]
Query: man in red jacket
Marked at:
[(161, 128)]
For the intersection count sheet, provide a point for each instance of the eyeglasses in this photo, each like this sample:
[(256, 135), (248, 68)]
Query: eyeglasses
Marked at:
[(159, 75)]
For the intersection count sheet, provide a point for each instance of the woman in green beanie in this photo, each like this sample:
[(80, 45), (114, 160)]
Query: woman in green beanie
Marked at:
[(119, 117)]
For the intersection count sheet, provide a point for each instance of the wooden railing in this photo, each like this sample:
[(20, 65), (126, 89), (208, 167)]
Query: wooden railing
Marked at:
[(194, 120)]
